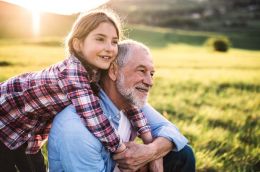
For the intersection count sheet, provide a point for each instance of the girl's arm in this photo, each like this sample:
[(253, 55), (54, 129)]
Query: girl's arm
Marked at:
[(77, 88), (140, 123)]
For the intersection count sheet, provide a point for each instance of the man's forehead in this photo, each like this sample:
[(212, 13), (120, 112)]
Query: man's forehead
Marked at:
[(141, 53), (140, 57)]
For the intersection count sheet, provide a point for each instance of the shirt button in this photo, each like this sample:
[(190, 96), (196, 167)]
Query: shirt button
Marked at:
[(29, 135)]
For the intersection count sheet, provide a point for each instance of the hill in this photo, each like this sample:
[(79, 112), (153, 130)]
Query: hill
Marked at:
[(190, 14), (237, 20)]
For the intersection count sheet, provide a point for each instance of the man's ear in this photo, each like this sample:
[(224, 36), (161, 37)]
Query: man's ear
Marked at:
[(76, 44), (113, 71)]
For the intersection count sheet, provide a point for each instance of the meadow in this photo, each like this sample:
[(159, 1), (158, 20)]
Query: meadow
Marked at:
[(213, 97)]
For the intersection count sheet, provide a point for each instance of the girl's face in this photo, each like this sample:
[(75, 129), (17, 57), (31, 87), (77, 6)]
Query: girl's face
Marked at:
[(100, 47)]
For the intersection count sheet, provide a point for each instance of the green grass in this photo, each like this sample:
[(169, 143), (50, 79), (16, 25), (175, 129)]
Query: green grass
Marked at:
[(214, 98)]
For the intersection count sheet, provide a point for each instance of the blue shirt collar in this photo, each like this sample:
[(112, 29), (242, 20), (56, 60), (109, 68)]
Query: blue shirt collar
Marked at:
[(107, 105)]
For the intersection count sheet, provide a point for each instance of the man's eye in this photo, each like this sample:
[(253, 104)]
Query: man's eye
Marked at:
[(142, 70)]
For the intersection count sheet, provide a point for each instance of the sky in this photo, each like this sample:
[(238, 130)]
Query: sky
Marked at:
[(65, 7)]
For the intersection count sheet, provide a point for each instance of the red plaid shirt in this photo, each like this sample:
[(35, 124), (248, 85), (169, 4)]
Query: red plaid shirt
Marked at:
[(138, 120), (29, 102)]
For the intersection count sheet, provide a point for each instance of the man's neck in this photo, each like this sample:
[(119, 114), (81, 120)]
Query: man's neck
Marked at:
[(110, 89)]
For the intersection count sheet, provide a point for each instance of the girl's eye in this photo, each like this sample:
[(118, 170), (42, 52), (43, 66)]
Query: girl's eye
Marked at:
[(100, 39), (115, 42)]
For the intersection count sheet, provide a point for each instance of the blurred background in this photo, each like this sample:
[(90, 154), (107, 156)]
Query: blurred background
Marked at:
[(207, 57)]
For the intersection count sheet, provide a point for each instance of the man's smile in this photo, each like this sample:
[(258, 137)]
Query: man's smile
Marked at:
[(142, 89)]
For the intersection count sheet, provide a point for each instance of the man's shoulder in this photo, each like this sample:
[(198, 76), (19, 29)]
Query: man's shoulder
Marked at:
[(68, 113), (147, 109)]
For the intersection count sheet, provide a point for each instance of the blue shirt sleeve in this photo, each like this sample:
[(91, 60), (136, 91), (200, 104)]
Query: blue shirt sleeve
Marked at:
[(72, 147), (161, 127)]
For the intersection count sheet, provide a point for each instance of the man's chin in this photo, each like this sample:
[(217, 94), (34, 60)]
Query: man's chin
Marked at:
[(140, 103), (142, 94)]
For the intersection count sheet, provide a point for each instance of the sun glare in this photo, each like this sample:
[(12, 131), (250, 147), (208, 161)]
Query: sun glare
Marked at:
[(36, 21), (67, 7), (35, 10)]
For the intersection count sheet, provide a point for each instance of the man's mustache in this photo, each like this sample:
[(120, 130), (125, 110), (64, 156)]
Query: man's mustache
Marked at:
[(144, 87)]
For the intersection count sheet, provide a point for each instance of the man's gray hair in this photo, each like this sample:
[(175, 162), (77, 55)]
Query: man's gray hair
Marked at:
[(126, 48)]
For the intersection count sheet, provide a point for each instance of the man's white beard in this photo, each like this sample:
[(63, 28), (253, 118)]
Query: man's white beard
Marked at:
[(129, 93)]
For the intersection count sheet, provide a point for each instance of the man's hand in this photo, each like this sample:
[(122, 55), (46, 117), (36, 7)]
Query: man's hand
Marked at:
[(156, 165), (136, 156)]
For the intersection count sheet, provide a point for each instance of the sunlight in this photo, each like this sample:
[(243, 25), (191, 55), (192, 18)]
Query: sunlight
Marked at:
[(36, 22), (67, 7)]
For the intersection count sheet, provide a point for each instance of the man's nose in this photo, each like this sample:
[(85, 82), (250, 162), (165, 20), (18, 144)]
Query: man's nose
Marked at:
[(148, 80)]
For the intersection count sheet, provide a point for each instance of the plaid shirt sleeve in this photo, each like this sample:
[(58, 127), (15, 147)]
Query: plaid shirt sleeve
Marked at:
[(38, 139), (75, 84), (138, 120)]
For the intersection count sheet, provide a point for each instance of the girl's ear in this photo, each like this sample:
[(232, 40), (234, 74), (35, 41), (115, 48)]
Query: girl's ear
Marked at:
[(113, 71), (76, 44)]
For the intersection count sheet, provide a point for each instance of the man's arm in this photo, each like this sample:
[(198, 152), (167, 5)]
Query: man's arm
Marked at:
[(161, 127), (137, 155), (167, 137)]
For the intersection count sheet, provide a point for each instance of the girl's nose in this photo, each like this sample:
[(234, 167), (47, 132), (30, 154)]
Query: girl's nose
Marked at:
[(109, 47)]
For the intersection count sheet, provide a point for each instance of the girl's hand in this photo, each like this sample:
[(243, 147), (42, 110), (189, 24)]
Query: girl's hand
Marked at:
[(121, 148)]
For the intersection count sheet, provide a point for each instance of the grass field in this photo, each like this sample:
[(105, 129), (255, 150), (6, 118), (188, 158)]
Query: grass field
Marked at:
[(214, 98)]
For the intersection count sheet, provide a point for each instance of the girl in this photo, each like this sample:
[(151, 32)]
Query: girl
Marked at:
[(29, 102)]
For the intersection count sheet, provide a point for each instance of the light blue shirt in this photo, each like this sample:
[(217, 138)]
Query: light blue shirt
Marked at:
[(72, 148)]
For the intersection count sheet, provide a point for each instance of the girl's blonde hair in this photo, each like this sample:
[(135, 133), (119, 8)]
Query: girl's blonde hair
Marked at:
[(86, 22)]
